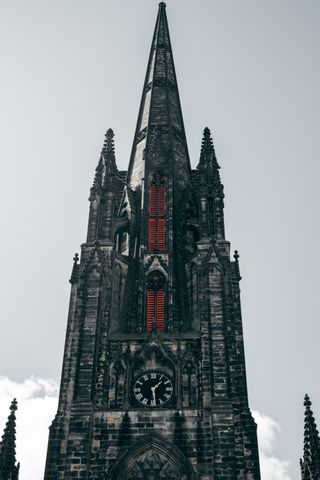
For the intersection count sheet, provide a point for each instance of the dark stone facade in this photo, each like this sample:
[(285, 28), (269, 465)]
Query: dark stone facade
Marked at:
[(155, 291)]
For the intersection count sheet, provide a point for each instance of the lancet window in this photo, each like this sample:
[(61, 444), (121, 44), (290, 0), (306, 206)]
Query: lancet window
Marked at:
[(157, 208), (189, 385), (116, 392), (156, 299)]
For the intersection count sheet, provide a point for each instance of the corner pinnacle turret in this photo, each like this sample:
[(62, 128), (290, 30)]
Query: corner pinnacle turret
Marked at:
[(103, 192), (310, 464), (9, 470)]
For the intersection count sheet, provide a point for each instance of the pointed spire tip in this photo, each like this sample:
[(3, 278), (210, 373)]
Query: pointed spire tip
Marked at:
[(14, 405), (109, 133)]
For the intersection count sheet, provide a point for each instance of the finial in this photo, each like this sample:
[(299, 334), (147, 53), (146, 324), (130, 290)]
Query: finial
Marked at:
[(207, 143), (109, 134), (14, 405), (236, 258), (75, 270), (162, 4), (109, 154), (108, 143)]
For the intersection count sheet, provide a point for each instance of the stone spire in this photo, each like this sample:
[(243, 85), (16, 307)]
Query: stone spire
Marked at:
[(310, 464), (8, 468), (160, 119)]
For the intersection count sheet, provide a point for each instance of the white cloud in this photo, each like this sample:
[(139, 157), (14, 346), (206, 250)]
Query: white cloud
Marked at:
[(37, 405), (272, 467)]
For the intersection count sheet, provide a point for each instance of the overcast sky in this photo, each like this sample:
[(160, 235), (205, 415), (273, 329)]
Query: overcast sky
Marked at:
[(247, 69)]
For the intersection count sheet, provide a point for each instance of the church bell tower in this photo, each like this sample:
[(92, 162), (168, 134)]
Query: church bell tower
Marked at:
[(153, 381)]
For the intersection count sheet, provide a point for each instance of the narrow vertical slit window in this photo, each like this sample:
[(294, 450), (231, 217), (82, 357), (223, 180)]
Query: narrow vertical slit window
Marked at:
[(157, 208)]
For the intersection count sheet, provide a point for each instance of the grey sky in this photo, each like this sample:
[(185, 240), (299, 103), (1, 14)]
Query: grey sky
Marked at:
[(247, 69)]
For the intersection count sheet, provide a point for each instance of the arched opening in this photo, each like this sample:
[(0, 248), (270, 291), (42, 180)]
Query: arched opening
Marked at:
[(152, 457)]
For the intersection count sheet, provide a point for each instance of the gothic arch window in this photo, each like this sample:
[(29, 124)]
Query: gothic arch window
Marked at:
[(157, 210), (156, 300), (117, 385), (152, 457)]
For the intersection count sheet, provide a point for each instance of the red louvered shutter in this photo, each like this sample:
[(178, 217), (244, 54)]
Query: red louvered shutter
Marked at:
[(152, 233), (153, 201), (161, 200), (161, 234), (156, 221), (150, 308), (160, 310)]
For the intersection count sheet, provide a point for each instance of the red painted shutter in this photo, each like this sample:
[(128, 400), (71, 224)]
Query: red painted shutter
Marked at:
[(156, 221), (152, 233), (150, 308), (161, 234), (153, 201), (161, 200), (160, 310)]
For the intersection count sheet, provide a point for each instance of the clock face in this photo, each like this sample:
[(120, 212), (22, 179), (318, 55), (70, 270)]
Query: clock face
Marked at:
[(153, 389)]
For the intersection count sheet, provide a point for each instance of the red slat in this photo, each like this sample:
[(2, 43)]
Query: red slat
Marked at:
[(160, 310), (150, 308), (161, 234), (152, 233), (153, 201), (161, 200)]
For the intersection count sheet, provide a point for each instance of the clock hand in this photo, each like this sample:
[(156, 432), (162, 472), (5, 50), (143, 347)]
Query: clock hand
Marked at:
[(153, 392)]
